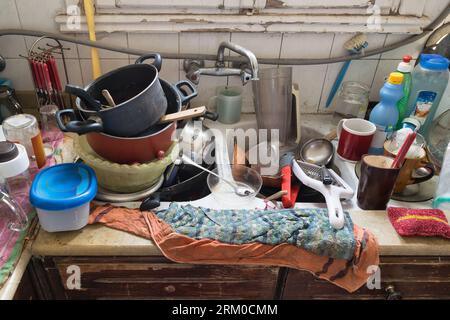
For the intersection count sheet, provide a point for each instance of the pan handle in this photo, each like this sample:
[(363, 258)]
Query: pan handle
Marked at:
[(77, 126), (157, 60), (185, 97)]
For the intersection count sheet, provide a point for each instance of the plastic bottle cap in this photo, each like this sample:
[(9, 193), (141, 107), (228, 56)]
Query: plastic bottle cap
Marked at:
[(395, 78), (412, 123), (407, 59), (434, 62), (405, 66)]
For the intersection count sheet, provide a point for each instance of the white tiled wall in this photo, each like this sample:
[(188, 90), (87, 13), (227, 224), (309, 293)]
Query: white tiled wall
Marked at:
[(315, 81)]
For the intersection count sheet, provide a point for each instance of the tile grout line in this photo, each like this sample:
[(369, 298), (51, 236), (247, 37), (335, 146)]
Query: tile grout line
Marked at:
[(228, 78), (376, 68), (326, 72), (179, 60), (79, 65), (21, 26), (281, 47), (128, 46)]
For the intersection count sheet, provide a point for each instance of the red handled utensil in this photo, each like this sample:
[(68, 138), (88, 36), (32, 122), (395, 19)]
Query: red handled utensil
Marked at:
[(289, 198), (404, 150)]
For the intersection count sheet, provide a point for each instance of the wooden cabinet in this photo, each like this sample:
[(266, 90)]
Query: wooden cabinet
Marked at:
[(158, 278), (150, 278), (401, 277)]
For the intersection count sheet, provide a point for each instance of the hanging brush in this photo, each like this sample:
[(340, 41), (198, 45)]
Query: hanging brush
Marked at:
[(354, 46)]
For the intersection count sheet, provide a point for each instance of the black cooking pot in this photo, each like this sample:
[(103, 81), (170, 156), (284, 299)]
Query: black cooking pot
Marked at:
[(144, 147), (138, 95)]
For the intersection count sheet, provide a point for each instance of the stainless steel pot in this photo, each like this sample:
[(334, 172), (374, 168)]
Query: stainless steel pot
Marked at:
[(195, 138)]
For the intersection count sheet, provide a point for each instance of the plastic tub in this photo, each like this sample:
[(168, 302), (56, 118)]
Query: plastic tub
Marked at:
[(61, 195)]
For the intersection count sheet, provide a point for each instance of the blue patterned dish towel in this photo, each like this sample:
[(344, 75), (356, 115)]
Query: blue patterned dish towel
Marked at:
[(308, 229)]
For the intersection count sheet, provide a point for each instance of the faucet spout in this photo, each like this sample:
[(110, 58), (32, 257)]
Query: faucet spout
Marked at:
[(253, 62), (196, 68)]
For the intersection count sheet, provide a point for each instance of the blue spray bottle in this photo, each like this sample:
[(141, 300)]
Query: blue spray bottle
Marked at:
[(385, 114)]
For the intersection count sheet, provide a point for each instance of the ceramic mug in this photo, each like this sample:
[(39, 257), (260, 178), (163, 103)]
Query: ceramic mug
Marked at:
[(410, 166), (376, 182), (228, 104), (355, 136)]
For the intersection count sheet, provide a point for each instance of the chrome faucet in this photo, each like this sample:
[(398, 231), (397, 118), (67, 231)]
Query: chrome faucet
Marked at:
[(195, 68)]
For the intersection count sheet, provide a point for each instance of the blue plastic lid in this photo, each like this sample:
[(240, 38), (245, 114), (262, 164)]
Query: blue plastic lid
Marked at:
[(434, 62), (63, 186)]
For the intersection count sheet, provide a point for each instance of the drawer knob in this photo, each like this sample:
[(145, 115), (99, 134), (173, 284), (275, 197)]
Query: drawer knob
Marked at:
[(169, 289), (391, 294)]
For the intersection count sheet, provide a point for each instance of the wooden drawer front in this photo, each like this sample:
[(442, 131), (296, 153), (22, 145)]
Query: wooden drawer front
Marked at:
[(138, 278), (411, 277)]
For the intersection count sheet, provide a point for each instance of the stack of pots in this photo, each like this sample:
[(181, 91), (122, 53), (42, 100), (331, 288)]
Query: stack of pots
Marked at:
[(128, 133)]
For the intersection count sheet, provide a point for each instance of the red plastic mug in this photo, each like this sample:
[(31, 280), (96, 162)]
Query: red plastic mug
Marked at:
[(355, 137)]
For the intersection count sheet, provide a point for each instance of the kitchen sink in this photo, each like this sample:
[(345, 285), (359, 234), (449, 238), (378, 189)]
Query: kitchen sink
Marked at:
[(313, 126)]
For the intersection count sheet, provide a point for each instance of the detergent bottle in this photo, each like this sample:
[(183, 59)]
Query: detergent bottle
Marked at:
[(429, 80), (405, 67), (385, 114)]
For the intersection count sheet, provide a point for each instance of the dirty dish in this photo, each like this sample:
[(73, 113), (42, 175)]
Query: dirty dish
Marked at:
[(124, 178), (138, 95), (241, 189), (355, 137), (318, 151), (376, 182), (149, 145), (246, 178)]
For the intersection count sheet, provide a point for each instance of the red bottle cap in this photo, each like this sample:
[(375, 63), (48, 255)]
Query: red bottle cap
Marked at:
[(407, 59)]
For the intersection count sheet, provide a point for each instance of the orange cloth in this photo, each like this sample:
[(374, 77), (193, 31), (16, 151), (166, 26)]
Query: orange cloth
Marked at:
[(349, 275)]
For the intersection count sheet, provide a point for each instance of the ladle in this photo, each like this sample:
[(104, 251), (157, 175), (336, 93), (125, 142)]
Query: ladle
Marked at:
[(240, 189)]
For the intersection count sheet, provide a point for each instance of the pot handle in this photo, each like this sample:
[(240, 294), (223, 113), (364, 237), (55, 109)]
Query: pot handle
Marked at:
[(77, 126), (185, 98), (151, 202), (213, 116), (157, 60), (84, 96)]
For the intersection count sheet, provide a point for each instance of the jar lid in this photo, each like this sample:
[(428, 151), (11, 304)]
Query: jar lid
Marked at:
[(13, 159), (19, 121), (8, 151), (63, 186), (434, 62)]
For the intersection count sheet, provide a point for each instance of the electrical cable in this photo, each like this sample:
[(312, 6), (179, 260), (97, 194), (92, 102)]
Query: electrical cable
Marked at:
[(274, 61)]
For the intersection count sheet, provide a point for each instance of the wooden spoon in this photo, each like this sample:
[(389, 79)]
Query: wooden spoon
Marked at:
[(108, 98), (183, 115)]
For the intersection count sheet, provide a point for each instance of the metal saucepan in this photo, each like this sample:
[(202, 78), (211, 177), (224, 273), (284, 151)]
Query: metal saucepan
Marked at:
[(137, 92), (145, 147)]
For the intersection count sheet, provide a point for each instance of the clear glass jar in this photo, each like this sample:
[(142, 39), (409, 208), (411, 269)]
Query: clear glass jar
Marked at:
[(351, 101), (48, 122), (16, 218), (49, 128), (24, 129)]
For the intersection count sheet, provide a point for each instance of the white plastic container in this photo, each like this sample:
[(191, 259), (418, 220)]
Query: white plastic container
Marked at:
[(61, 195), (64, 220)]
